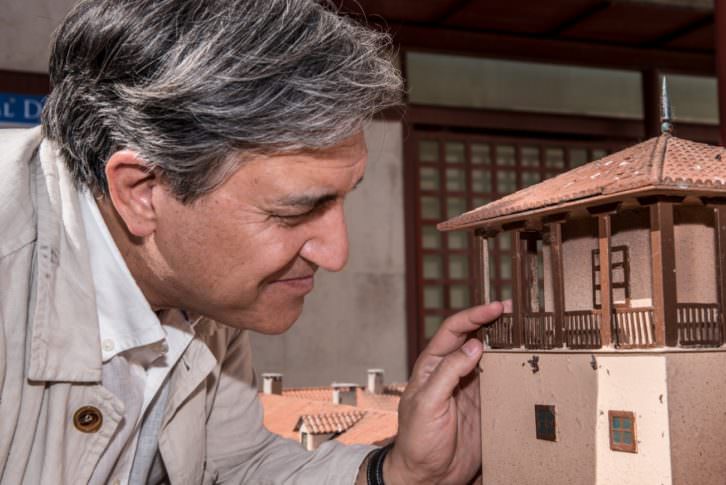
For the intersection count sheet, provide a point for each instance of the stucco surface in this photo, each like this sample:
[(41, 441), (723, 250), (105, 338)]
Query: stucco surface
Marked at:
[(509, 391), (695, 255), (356, 319), (635, 383), (697, 402)]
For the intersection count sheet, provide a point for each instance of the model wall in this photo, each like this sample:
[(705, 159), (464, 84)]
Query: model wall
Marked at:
[(580, 239), (356, 319), (511, 452), (697, 402), (635, 383), (694, 250), (695, 255)]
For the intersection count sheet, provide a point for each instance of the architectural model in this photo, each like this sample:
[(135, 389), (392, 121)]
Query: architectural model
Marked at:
[(611, 367)]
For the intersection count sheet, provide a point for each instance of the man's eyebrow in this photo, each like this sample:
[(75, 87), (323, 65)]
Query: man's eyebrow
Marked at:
[(312, 200)]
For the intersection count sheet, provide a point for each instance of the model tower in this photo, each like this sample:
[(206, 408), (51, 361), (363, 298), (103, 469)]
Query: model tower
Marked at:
[(611, 367)]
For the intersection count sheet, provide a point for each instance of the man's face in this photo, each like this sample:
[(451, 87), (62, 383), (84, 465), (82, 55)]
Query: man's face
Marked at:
[(246, 253)]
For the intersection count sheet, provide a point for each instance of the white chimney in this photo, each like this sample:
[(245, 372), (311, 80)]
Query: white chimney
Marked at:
[(344, 393), (375, 381), (272, 383)]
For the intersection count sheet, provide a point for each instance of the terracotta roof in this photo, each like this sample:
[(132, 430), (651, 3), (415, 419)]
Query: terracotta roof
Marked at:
[(313, 393), (326, 423), (282, 415), (665, 163), (388, 401), (376, 428)]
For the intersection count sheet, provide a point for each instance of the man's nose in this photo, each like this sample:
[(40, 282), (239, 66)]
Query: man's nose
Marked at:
[(328, 245)]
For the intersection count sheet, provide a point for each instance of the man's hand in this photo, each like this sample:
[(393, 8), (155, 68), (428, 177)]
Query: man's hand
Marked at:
[(439, 433)]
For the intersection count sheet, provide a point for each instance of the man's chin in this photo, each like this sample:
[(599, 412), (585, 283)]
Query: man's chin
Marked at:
[(274, 321)]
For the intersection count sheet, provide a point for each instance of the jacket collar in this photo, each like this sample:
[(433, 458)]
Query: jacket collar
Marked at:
[(64, 342)]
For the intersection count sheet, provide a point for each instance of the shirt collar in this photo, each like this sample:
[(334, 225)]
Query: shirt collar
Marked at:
[(125, 318)]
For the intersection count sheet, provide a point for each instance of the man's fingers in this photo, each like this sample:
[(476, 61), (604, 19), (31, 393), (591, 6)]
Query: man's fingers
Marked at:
[(456, 328), (440, 386)]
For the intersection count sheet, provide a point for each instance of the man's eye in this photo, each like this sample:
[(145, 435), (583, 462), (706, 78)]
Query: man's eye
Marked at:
[(291, 219)]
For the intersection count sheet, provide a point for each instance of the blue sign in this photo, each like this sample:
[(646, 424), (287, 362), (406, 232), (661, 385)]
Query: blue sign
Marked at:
[(21, 109)]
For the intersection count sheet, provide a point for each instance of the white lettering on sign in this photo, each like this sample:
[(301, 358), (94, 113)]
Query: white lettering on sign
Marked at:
[(32, 109), (8, 109)]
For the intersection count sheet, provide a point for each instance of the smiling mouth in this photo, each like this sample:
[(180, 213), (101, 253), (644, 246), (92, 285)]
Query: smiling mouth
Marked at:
[(301, 285)]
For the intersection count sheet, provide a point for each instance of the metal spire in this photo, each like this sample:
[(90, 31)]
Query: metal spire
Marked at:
[(666, 115)]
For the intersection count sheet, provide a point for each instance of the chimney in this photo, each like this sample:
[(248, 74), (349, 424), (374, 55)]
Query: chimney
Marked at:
[(344, 393), (272, 383), (375, 381)]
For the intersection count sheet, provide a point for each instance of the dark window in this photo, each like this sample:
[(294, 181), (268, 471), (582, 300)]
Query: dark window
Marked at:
[(620, 271), (546, 426), (622, 431)]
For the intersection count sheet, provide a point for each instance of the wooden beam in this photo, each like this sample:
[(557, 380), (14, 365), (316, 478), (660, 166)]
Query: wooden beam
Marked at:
[(687, 29), (720, 62), (558, 280), (547, 50), (606, 290), (24, 82), (540, 123), (484, 276), (532, 280), (518, 290), (651, 102), (451, 10), (589, 11), (484, 293), (663, 265), (720, 228)]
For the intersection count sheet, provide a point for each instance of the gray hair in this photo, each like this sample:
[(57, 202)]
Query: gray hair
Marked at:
[(196, 86)]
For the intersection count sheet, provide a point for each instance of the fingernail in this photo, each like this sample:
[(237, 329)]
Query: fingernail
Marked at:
[(471, 348)]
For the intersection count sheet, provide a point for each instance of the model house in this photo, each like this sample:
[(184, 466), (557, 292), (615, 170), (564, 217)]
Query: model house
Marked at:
[(345, 412), (611, 367)]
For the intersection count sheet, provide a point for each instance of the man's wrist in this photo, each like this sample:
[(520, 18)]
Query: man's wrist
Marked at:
[(374, 470)]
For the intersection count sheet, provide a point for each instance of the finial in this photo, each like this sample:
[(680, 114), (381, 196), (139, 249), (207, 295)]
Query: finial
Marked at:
[(666, 115)]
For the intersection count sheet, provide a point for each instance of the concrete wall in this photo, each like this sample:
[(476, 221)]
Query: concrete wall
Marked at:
[(509, 391), (635, 383), (697, 403), (356, 319), (25, 28)]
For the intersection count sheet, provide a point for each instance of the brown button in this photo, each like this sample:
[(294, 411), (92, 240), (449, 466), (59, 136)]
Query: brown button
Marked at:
[(88, 419)]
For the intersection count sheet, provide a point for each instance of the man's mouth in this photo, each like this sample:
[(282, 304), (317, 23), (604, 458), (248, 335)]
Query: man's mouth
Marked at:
[(300, 285)]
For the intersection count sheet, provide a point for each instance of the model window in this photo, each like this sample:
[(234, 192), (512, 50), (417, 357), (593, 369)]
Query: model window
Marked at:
[(622, 431), (544, 416), (620, 273)]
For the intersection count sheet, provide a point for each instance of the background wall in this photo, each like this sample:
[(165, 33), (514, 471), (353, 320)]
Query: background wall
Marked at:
[(25, 28), (355, 319)]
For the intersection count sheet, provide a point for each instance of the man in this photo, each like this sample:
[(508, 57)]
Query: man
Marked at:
[(187, 184)]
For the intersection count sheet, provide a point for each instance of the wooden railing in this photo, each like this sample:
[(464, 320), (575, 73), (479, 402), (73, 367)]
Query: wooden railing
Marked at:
[(500, 332), (539, 330), (699, 324), (582, 329), (633, 327)]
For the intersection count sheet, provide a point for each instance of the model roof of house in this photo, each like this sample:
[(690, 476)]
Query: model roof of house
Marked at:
[(326, 423), (388, 401), (663, 165), (283, 414)]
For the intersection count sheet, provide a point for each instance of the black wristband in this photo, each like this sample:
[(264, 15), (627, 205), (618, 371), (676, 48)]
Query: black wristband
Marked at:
[(374, 472)]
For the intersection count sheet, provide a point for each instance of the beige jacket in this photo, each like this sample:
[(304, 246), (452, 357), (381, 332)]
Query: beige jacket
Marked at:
[(50, 358)]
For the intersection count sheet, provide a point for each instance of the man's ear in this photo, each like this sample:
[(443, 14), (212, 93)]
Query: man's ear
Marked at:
[(130, 185)]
